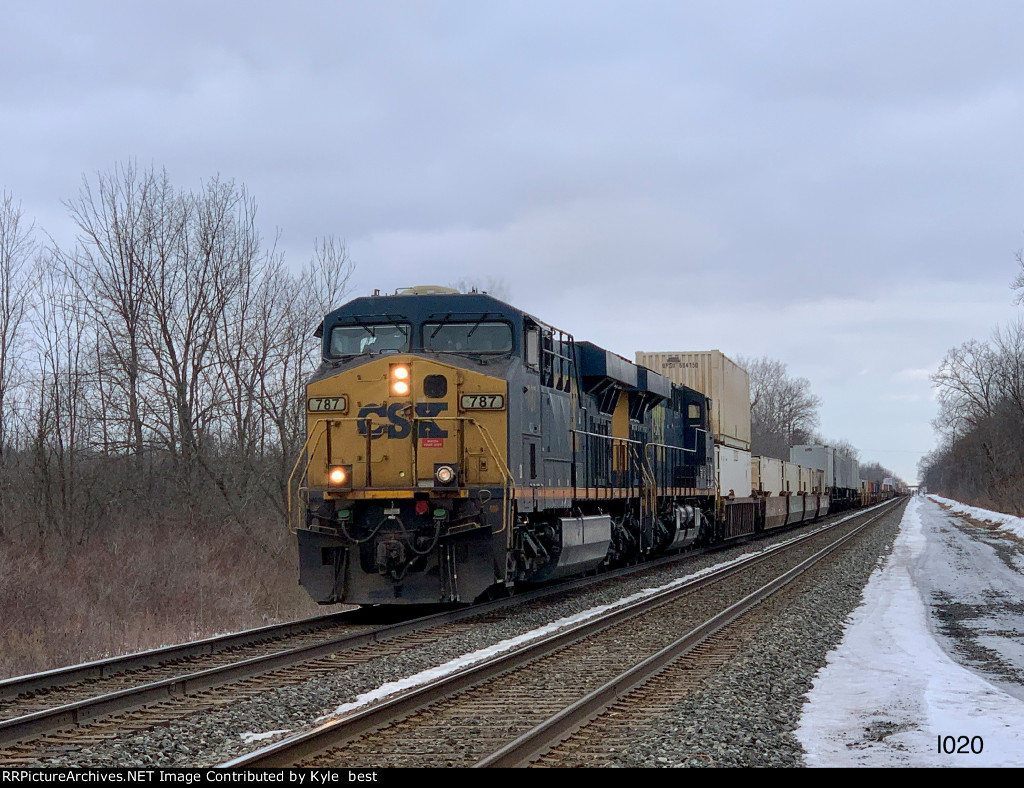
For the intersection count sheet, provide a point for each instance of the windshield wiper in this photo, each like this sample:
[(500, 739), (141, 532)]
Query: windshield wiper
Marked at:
[(355, 319), (443, 321), (476, 325)]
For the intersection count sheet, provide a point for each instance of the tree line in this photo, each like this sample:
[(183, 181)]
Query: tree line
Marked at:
[(152, 378), (784, 411), (980, 424), (161, 357)]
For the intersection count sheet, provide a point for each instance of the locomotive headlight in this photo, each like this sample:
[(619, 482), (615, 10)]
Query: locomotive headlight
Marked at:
[(400, 379), (339, 476), (445, 474)]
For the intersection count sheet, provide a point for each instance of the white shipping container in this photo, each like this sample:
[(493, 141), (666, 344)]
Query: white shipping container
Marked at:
[(714, 375), (791, 477), (732, 471), (847, 472), (769, 475), (815, 456), (841, 471)]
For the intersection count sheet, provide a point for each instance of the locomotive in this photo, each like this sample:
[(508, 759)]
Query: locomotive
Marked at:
[(458, 447)]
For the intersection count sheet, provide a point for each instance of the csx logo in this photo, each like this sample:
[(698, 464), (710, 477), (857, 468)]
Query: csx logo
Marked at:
[(399, 425)]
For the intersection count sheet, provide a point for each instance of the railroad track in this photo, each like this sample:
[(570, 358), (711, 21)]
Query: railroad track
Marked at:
[(471, 717), (65, 710), (73, 706)]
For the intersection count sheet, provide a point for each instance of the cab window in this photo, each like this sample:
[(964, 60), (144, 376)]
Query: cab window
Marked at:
[(367, 338), (478, 337)]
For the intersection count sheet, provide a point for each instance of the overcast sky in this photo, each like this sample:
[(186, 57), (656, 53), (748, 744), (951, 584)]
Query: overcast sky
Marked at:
[(836, 185)]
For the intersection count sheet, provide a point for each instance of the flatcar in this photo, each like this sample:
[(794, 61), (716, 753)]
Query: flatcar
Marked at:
[(458, 447)]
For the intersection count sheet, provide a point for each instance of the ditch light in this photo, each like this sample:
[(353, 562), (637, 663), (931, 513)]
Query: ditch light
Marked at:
[(400, 380)]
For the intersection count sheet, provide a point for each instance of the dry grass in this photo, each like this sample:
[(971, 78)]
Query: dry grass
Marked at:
[(138, 586)]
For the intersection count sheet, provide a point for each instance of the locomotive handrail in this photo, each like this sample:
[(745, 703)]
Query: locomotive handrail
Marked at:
[(624, 442), (309, 458), (305, 450), (651, 445), (606, 437), (650, 497), (510, 482), (680, 448)]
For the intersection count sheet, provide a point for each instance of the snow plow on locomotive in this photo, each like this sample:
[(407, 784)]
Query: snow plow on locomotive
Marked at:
[(457, 446)]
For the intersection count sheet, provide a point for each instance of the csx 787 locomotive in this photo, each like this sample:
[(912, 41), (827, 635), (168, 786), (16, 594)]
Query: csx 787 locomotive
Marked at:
[(457, 446)]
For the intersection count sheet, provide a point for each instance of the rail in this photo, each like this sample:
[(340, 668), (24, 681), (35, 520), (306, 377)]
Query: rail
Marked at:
[(559, 726)]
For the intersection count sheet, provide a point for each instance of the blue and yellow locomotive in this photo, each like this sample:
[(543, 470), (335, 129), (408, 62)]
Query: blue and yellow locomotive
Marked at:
[(457, 446)]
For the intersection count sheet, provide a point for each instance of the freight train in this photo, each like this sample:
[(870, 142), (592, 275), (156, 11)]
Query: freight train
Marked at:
[(458, 447)]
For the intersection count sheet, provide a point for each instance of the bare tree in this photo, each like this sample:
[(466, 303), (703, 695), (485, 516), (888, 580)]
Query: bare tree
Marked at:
[(326, 280), (783, 411), (980, 389), (1008, 347), (116, 248), (207, 246), (1018, 280), (843, 447), (967, 387), (167, 340), (876, 472), (17, 249), (322, 286), (62, 425), (204, 335)]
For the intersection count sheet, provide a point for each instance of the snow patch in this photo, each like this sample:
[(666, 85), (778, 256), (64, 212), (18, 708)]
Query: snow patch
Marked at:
[(249, 738), (1006, 522)]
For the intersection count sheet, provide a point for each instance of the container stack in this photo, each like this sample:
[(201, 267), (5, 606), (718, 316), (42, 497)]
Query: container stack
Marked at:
[(727, 385)]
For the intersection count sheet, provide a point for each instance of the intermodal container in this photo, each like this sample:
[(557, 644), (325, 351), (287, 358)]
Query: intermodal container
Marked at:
[(714, 375), (769, 475)]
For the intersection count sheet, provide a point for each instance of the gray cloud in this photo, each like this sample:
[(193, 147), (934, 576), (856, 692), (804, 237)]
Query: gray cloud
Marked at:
[(648, 175)]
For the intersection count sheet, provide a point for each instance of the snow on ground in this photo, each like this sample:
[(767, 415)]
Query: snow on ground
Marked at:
[(249, 738), (890, 690), (1008, 522)]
